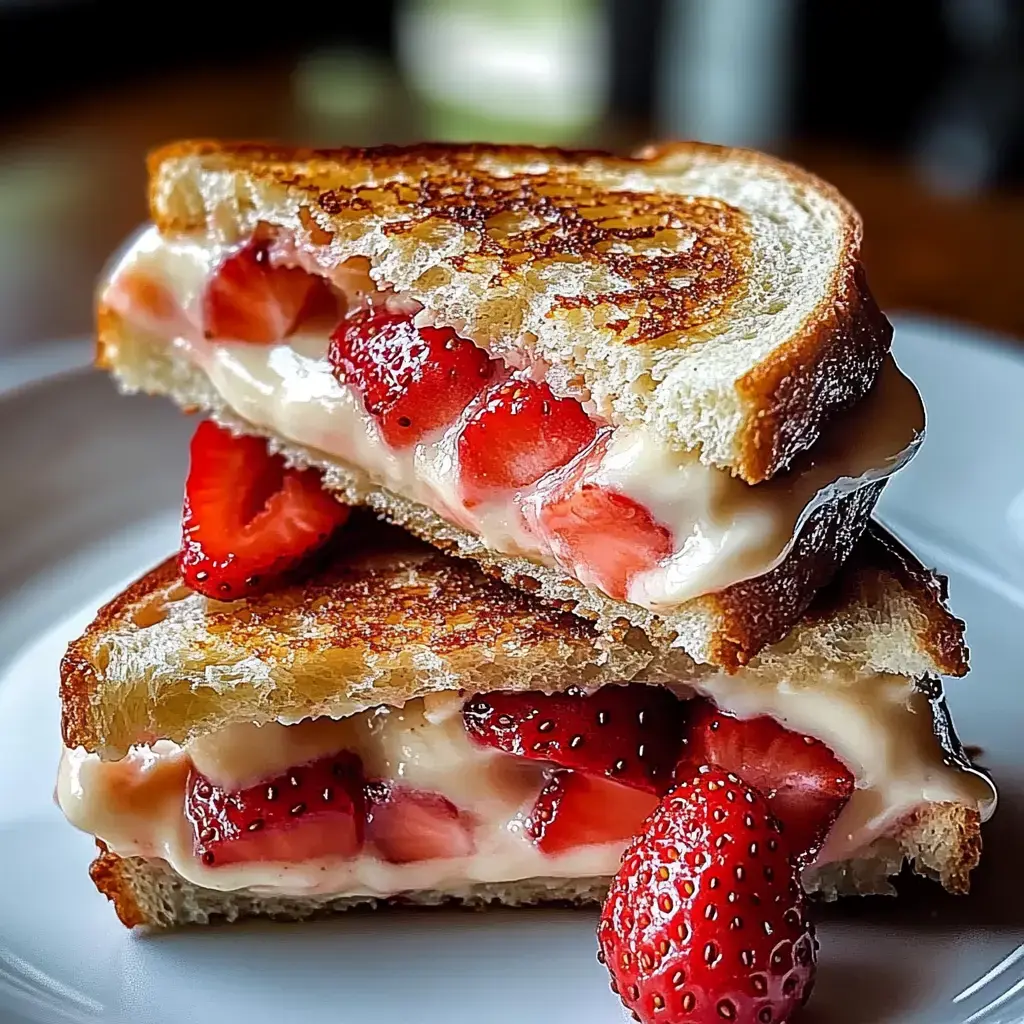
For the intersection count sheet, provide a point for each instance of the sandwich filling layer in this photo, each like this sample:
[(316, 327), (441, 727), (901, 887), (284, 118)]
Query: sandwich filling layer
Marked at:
[(433, 795), (530, 474)]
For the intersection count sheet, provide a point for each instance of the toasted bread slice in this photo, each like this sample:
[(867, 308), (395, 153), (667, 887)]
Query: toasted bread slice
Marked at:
[(942, 842), (715, 295), (388, 619), (726, 628)]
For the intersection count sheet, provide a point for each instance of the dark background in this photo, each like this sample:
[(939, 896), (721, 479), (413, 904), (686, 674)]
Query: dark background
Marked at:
[(914, 108), (900, 76)]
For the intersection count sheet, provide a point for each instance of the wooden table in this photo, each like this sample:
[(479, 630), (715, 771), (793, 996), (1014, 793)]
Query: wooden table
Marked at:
[(72, 186)]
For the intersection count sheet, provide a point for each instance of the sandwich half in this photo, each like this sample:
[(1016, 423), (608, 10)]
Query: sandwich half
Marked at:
[(655, 390), (400, 727)]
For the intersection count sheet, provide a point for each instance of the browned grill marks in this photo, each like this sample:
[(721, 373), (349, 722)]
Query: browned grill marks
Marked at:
[(675, 262)]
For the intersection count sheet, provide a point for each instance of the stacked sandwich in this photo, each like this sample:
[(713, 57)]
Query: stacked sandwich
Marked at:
[(648, 406)]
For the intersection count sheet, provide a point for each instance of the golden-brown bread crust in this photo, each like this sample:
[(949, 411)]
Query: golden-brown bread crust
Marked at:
[(846, 336), (880, 558), (518, 210), (81, 668), (382, 615), (109, 873), (850, 336), (940, 841)]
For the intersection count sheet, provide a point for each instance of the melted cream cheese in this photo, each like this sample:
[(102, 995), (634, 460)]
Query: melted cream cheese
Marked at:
[(724, 530), (878, 726)]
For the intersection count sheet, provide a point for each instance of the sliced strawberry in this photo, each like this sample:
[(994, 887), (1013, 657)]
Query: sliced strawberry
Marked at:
[(521, 433), (405, 825), (574, 809), (413, 380), (315, 810), (247, 518), (629, 733), (249, 299), (805, 784), (603, 537)]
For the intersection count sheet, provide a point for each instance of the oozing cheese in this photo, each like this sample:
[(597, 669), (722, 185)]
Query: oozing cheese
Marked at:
[(724, 531), (878, 726)]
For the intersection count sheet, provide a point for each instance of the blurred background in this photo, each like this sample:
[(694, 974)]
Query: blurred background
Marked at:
[(914, 109)]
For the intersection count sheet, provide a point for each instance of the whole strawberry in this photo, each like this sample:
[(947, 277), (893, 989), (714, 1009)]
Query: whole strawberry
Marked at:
[(705, 920)]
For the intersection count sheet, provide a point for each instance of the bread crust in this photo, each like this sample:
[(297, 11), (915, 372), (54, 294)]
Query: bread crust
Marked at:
[(878, 560), (847, 336), (409, 206), (81, 671), (939, 841), (112, 877), (379, 619), (944, 635), (758, 612)]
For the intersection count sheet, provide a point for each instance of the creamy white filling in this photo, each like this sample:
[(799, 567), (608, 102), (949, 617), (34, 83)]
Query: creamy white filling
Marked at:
[(136, 805), (724, 530), (876, 725)]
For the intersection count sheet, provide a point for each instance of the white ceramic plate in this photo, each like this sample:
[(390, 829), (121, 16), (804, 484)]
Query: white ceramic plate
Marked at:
[(90, 490)]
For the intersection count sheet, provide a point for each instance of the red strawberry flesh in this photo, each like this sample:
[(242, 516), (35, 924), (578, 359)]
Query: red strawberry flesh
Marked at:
[(404, 825), (521, 432), (805, 784), (413, 380), (247, 519), (604, 537), (705, 921), (630, 734), (250, 299), (574, 809), (311, 811)]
